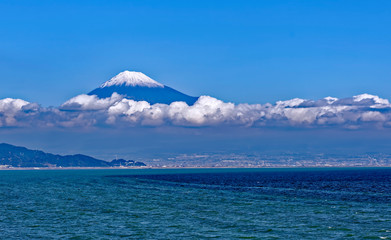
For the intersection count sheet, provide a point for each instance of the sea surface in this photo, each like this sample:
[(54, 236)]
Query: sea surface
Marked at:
[(325, 203)]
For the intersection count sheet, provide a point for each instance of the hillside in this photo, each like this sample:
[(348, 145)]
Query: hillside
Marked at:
[(15, 156)]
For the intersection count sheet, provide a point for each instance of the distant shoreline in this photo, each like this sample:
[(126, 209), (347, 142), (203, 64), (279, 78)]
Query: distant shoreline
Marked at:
[(70, 168), (149, 167)]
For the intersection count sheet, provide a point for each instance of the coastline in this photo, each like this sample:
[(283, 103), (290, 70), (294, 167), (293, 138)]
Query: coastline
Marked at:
[(198, 167)]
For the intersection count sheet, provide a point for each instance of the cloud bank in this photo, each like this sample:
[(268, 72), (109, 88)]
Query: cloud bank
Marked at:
[(359, 111)]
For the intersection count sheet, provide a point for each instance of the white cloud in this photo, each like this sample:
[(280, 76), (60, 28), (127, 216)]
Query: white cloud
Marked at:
[(90, 102), (373, 117), (84, 110), (9, 108), (374, 98)]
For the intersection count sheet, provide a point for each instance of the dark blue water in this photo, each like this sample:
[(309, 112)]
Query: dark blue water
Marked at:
[(196, 204), (371, 185)]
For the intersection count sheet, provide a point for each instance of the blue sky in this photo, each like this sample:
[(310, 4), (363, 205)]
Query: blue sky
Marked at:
[(240, 51), (250, 52)]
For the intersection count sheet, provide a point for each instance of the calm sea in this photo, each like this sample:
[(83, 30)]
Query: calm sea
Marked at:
[(196, 204)]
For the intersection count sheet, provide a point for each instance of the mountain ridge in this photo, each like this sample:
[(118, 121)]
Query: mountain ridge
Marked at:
[(17, 156)]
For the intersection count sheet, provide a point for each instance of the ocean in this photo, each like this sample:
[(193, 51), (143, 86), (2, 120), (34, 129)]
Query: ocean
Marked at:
[(324, 203)]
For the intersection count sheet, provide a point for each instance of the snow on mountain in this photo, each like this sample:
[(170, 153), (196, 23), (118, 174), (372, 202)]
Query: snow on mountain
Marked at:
[(139, 87), (131, 78)]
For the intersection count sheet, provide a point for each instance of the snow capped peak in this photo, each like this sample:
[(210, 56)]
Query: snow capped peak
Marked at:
[(131, 78)]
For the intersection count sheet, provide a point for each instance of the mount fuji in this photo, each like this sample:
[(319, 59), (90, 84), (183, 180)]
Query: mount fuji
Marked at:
[(139, 87)]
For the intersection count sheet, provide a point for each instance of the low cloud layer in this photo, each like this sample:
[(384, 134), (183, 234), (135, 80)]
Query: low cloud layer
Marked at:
[(89, 111)]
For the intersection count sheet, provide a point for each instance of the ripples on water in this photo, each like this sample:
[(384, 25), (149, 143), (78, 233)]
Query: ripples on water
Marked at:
[(196, 203)]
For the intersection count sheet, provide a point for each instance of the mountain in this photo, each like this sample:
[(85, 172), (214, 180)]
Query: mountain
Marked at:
[(22, 157), (139, 87)]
